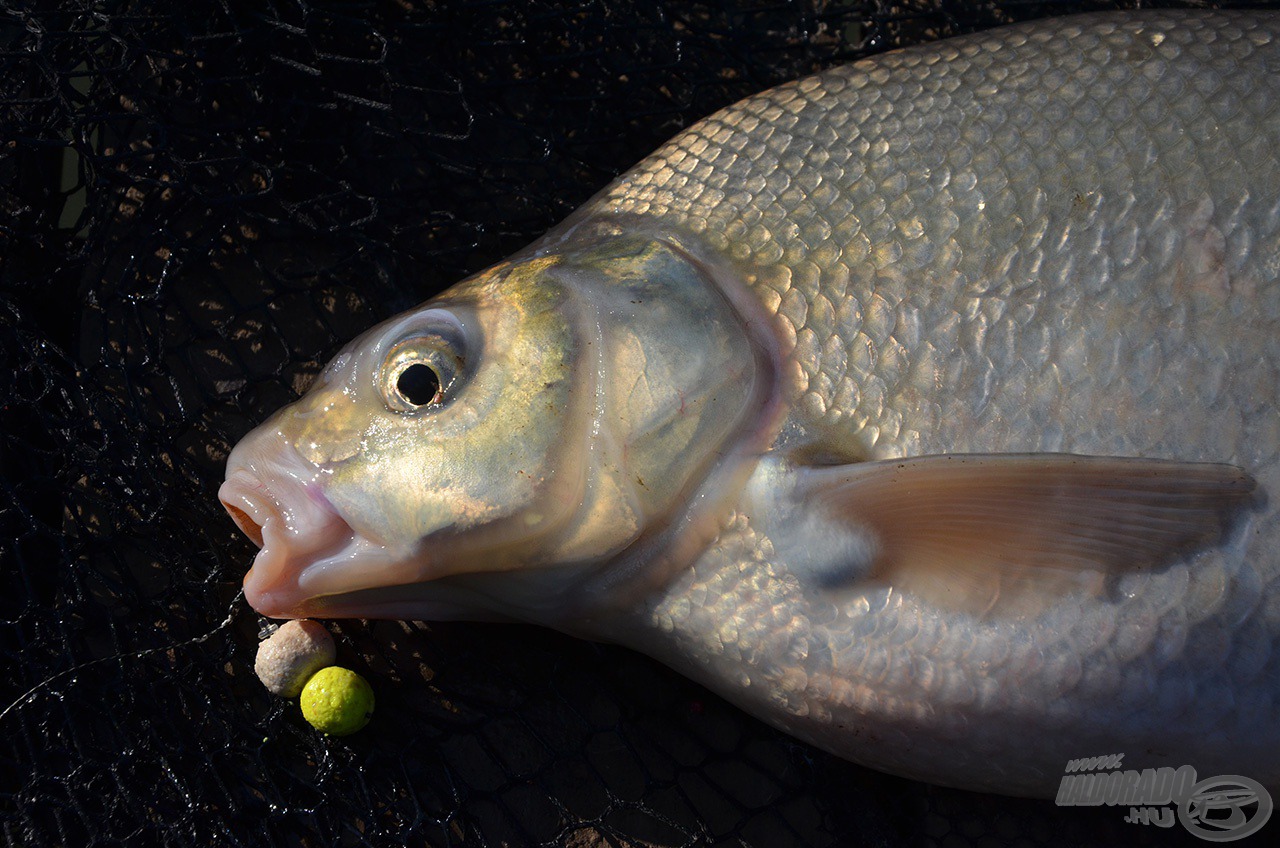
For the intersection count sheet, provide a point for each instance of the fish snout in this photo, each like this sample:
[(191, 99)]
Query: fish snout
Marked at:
[(277, 501)]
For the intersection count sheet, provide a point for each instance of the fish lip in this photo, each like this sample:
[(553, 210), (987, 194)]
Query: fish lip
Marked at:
[(241, 496), (294, 526)]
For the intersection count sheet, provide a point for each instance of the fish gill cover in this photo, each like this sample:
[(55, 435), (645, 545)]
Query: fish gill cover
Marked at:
[(199, 203)]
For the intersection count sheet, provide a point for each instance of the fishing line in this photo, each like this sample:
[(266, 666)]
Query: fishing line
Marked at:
[(127, 655)]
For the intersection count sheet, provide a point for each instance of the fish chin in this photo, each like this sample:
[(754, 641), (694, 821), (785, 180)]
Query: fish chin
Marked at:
[(437, 600)]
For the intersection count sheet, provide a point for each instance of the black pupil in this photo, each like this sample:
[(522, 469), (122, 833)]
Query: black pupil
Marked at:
[(418, 384)]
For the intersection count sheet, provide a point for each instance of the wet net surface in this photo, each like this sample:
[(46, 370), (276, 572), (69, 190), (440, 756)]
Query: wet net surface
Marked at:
[(199, 203)]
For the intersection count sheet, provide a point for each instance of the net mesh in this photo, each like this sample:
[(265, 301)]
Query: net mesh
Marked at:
[(199, 203)]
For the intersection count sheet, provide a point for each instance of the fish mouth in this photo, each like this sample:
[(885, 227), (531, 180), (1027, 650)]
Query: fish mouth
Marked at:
[(300, 534), (244, 520), (309, 554)]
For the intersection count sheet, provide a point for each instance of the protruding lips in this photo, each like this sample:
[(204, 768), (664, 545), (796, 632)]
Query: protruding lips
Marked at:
[(294, 528), (308, 550), (310, 556)]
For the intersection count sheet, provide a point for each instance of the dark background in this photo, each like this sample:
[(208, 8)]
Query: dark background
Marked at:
[(199, 203)]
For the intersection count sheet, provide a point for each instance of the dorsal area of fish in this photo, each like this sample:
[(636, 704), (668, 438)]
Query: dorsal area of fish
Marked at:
[(1055, 237), (1009, 241)]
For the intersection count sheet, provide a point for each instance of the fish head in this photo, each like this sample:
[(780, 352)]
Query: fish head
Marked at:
[(483, 455)]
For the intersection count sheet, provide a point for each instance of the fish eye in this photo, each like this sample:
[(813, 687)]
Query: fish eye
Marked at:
[(418, 373), (419, 384)]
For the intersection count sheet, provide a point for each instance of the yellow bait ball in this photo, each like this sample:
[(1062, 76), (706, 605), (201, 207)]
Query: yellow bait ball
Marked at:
[(337, 701)]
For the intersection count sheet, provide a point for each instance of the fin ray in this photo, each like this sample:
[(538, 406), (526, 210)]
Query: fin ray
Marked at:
[(998, 534)]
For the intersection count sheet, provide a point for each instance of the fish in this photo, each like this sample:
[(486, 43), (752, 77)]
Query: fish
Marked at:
[(925, 408)]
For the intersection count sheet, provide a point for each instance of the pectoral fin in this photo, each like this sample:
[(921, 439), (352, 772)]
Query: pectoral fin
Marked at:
[(1007, 534)]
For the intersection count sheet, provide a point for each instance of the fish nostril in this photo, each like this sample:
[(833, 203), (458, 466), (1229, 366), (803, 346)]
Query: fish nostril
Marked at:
[(245, 522)]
